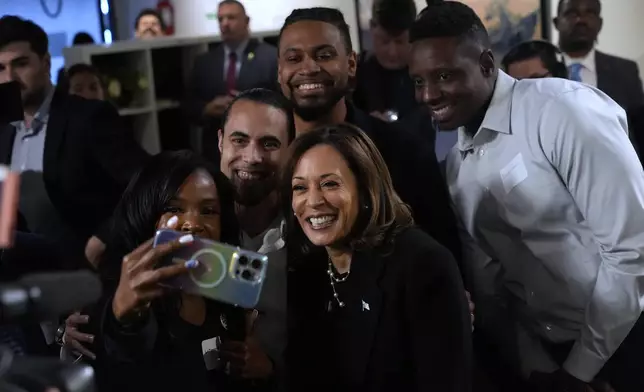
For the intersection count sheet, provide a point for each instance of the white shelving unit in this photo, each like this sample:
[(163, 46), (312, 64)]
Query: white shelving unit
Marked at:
[(166, 57)]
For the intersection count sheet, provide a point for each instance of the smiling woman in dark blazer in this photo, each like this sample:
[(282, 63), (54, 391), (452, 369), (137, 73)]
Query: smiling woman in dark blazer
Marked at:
[(375, 304)]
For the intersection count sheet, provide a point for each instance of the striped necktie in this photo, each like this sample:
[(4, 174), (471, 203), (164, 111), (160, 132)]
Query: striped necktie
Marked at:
[(575, 72)]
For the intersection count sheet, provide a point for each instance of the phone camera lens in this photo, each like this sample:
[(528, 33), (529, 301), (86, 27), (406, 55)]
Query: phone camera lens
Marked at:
[(256, 264), (247, 275), (243, 260)]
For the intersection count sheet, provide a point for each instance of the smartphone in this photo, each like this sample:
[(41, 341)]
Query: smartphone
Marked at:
[(9, 189), (225, 273)]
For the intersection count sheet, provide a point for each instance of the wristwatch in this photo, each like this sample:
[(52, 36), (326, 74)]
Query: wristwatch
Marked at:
[(60, 334)]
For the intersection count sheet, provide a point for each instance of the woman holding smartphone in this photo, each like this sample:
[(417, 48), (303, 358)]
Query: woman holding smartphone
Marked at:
[(151, 336), (375, 304)]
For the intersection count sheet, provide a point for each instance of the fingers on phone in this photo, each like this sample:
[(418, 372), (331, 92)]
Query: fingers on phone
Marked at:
[(77, 319), (74, 334), (78, 347), (153, 255)]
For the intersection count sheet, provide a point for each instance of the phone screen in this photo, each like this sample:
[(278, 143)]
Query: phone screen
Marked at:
[(9, 188)]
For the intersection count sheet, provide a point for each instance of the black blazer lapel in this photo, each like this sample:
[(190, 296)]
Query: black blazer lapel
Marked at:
[(368, 319), (246, 72), (7, 135), (56, 127), (603, 71)]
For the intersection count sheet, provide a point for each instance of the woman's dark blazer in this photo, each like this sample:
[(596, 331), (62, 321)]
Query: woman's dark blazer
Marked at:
[(416, 335)]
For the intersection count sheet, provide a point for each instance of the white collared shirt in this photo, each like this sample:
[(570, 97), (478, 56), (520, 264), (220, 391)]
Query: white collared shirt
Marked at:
[(552, 191), (588, 69)]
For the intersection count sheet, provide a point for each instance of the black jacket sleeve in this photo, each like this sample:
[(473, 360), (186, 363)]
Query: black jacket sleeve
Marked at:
[(438, 317)]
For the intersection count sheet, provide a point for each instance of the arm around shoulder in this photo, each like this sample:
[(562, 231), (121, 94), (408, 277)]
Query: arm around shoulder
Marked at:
[(438, 316)]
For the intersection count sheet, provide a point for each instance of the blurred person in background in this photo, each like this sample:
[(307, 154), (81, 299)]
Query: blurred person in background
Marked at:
[(579, 23), (239, 63), (535, 59), (375, 304), (85, 81), (74, 156), (149, 24), (383, 87), (81, 38)]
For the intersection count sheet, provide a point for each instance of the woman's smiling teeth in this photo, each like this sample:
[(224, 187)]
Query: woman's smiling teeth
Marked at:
[(320, 222)]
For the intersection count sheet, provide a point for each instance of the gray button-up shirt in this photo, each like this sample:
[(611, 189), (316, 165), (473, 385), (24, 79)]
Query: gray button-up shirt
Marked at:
[(551, 190), (271, 324), (29, 144)]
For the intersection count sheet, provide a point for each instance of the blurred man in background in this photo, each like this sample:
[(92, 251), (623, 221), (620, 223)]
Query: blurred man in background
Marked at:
[(535, 59), (383, 87), (239, 63), (579, 23), (149, 24)]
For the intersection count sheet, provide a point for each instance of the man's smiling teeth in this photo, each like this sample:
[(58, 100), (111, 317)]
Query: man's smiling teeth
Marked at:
[(244, 175), (319, 221), (310, 86), (442, 110)]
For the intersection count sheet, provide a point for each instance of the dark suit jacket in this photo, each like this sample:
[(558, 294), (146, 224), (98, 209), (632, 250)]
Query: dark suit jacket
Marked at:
[(620, 79), (88, 160), (207, 82), (414, 336), (416, 176)]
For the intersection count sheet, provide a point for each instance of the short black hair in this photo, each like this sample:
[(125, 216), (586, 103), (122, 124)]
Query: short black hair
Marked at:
[(393, 16), (560, 4), (447, 19), (82, 38), (331, 16), (16, 29), (549, 54), (235, 2), (266, 97), (148, 12)]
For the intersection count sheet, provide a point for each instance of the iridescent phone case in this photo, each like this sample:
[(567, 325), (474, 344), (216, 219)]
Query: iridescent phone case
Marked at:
[(225, 273)]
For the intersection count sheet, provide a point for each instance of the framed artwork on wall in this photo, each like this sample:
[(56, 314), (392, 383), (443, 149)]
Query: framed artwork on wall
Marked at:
[(509, 22)]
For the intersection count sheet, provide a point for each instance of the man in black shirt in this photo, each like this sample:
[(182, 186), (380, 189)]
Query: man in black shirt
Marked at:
[(316, 65), (383, 87)]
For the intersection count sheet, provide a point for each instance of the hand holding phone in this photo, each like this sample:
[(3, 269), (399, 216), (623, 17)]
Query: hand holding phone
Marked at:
[(139, 283), (224, 273), (9, 190)]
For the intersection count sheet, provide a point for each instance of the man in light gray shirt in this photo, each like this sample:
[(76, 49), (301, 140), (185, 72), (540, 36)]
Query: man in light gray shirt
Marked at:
[(256, 131), (551, 194)]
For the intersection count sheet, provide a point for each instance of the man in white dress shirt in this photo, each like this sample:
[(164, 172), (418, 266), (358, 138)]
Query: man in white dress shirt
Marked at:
[(551, 194)]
